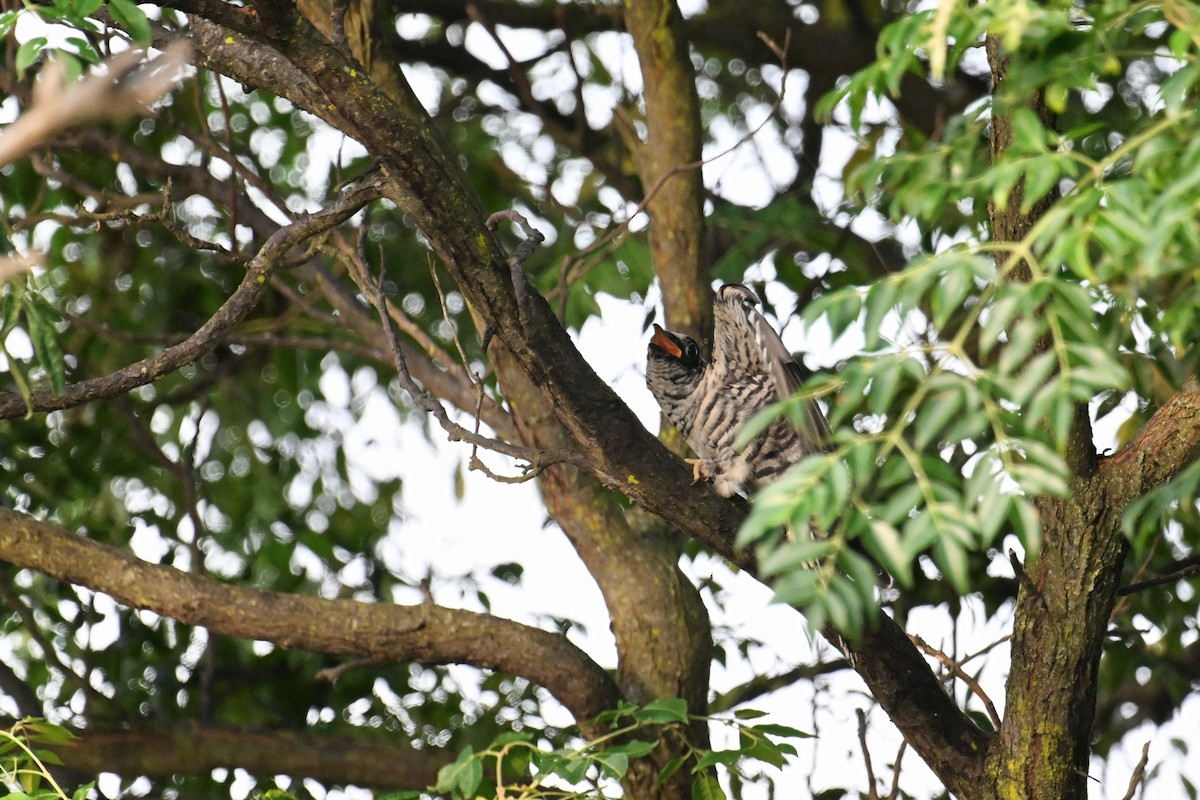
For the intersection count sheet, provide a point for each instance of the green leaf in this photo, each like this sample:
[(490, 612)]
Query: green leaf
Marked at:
[(935, 413), (713, 758), (885, 545), (1028, 525), (781, 730), (132, 19), (40, 317), (463, 775), (951, 558), (802, 553), (634, 749), (797, 588), (28, 53), (659, 712), (706, 787), (669, 769), (613, 764)]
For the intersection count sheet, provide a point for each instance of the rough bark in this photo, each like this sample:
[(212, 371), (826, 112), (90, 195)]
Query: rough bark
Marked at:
[(188, 749), (1044, 746), (661, 627), (1063, 609), (672, 142), (425, 633)]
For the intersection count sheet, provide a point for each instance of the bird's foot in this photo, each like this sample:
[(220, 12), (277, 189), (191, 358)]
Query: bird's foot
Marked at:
[(727, 477), (701, 468)]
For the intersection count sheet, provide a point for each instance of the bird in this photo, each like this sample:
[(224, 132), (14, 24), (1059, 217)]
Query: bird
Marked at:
[(709, 401)]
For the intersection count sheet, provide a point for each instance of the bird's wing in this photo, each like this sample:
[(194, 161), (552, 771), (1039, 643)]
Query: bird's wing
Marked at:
[(788, 376)]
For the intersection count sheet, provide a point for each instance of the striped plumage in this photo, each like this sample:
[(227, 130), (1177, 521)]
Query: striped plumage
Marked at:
[(709, 401)]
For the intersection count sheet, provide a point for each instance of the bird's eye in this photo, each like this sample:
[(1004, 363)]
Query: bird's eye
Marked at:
[(691, 352)]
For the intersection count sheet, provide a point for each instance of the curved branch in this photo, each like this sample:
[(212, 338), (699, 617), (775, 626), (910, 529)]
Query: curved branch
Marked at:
[(1164, 446), (426, 633), (233, 311)]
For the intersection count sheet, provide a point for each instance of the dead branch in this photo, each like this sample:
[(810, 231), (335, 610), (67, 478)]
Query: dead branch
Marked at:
[(959, 672), (114, 92), (1139, 772)]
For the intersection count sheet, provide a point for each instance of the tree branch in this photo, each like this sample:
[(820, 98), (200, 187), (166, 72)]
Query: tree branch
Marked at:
[(188, 749), (258, 272), (425, 633)]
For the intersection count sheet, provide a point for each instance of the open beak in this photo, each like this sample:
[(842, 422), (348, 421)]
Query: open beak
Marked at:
[(663, 342)]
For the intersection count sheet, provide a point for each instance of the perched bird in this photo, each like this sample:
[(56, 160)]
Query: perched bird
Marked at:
[(709, 401)]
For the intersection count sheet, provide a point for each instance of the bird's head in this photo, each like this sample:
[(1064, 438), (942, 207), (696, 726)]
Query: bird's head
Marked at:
[(676, 346), (673, 364)]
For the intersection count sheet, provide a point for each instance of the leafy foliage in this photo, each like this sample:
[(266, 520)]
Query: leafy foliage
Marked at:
[(26, 749), (949, 424), (522, 769)]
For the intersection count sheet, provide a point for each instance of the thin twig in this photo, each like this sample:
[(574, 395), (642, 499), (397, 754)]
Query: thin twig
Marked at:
[(337, 22), (533, 240), (332, 674), (535, 460), (985, 650), (270, 257), (895, 792), (1023, 577), (1139, 772), (1187, 568), (872, 792), (959, 672), (462, 354)]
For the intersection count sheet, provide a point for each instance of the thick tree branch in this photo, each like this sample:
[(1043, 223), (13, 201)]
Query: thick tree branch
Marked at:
[(427, 634), (169, 751), (1163, 448)]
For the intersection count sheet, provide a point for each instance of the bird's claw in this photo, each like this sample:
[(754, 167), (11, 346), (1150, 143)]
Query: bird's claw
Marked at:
[(699, 468)]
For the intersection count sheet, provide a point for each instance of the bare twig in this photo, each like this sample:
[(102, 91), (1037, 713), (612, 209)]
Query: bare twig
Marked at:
[(535, 460), (895, 792), (985, 650), (271, 257), (333, 674), (337, 23), (113, 93), (1023, 577), (533, 239), (462, 354), (14, 264), (1139, 772), (872, 792), (1186, 568), (959, 672)]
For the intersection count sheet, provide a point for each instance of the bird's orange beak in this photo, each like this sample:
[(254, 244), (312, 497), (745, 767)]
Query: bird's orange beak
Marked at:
[(664, 343), (661, 341)]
